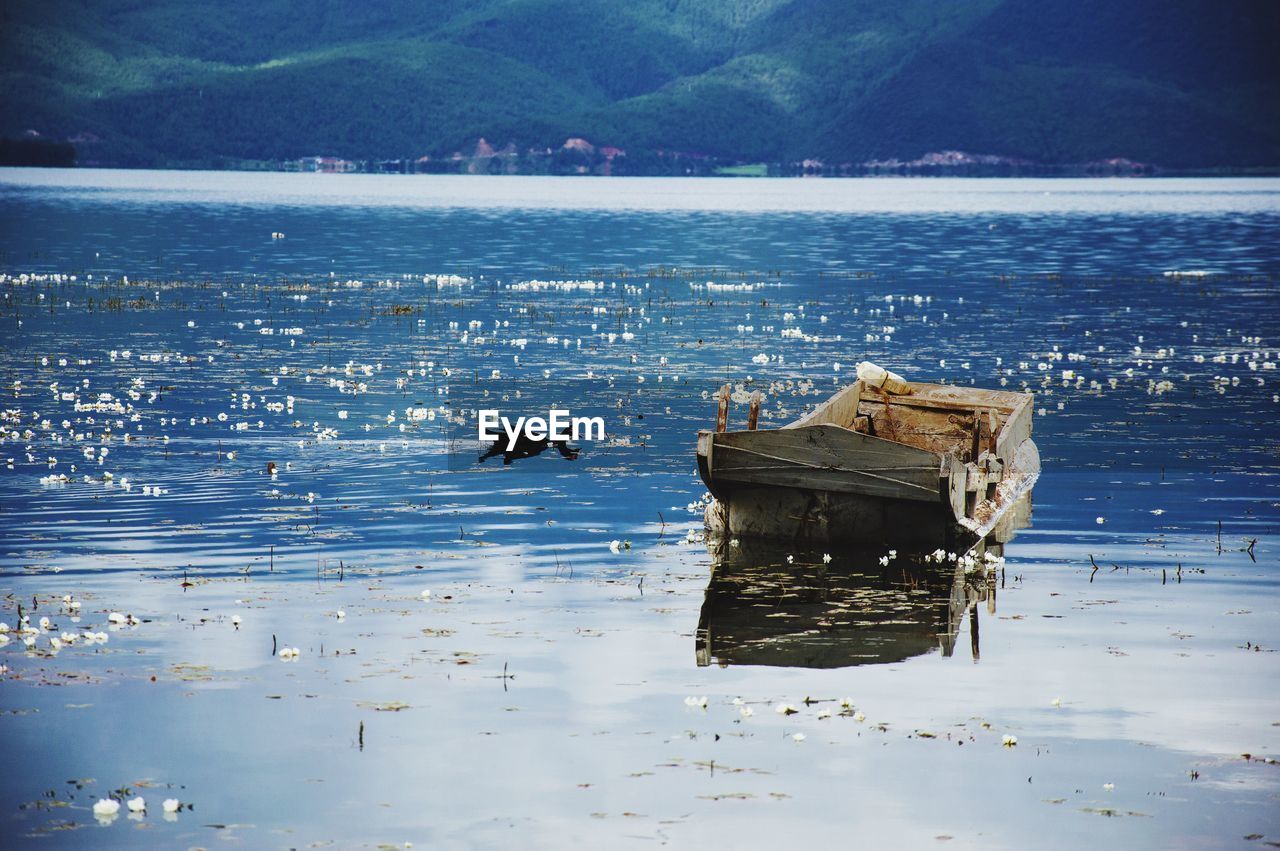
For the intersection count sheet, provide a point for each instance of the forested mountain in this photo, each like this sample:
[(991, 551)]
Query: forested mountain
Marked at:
[(1180, 83)]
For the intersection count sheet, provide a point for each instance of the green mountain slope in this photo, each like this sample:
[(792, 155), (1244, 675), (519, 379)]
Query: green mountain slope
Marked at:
[(1182, 83), (1091, 80)]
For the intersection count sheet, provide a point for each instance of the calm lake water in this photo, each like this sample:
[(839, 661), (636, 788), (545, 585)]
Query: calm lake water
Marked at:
[(188, 333)]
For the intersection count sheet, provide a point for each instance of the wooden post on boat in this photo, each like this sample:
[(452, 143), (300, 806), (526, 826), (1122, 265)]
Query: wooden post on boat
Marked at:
[(722, 413), (753, 413)]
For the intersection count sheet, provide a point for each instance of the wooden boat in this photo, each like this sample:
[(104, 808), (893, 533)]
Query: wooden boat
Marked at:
[(937, 465)]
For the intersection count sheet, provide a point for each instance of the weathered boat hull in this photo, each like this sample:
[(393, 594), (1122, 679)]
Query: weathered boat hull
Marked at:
[(944, 464), (814, 517)]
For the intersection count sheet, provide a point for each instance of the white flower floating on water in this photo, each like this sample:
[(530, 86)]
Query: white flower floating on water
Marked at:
[(1009, 741), (288, 653), (700, 702), (746, 711), (235, 621), (1110, 787), (826, 558), (106, 810), (859, 716), (1101, 520), (171, 805), (799, 737), (785, 709), (340, 614), (426, 595), (137, 805), (1057, 701)]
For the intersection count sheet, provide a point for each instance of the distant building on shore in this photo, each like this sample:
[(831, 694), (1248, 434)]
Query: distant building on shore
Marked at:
[(322, 165)]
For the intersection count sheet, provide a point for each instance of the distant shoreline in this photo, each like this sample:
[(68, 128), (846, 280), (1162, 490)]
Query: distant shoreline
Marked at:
[(728, 172), (579, 158)]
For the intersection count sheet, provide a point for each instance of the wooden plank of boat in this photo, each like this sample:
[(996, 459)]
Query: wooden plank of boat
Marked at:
[(955, 485), (840, 409), (949, 396), (1016, 428), (828, 458)]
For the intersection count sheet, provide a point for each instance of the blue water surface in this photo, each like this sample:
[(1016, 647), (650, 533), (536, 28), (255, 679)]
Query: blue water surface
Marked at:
[(245, 381)]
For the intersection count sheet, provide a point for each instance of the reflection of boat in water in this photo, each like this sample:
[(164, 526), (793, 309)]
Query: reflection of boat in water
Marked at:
[(875, 465), (761, 609)]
